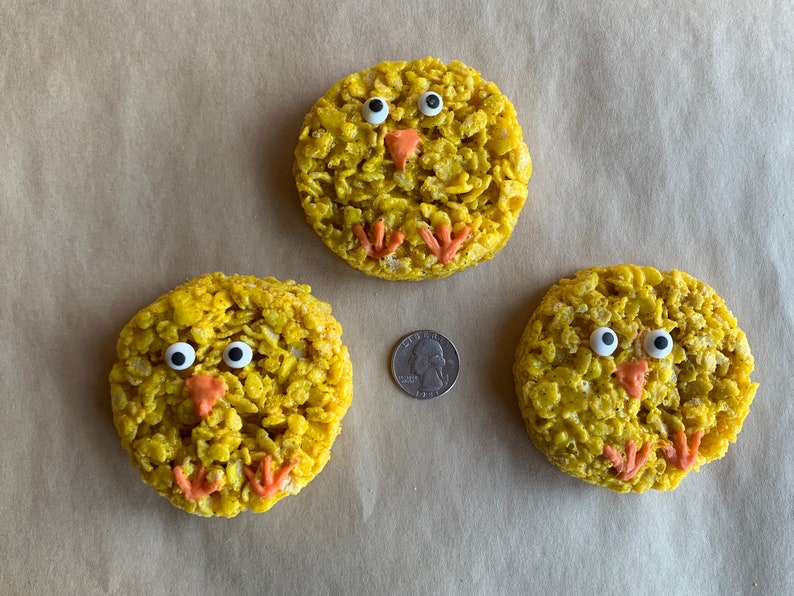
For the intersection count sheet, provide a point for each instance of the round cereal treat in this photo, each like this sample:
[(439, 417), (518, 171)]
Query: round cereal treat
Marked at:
[(229, 392), (412, 170), (630, 378)]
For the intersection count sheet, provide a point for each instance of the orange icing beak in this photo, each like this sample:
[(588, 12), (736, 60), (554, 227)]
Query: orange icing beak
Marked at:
[(631, 374), (205, 390), (401, 145)]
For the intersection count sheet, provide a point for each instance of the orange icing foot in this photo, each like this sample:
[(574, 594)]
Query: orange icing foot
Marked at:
[(199, 487), (445, 247), (628, 468), (682, 456), (631, 374), (401, 145), (376, 249), (205, 390), (270, 484)]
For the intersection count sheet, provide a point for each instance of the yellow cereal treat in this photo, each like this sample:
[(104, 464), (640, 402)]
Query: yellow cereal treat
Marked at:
[(229, 392), (629, 378), (412, 170)]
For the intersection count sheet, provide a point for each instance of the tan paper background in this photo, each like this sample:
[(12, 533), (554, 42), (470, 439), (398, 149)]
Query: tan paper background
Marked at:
[(144, 143)]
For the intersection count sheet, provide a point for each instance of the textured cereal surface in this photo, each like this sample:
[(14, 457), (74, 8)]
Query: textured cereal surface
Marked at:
[(471, 167), (572, 404), (287, 403)]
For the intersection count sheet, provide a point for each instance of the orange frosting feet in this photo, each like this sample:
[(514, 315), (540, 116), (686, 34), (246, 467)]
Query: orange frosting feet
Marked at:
[(628, 468), (444, 247), (377, 249), (205, 390), (199, 487), (681, 455), (270, 484), (631, 374), (401, 145)]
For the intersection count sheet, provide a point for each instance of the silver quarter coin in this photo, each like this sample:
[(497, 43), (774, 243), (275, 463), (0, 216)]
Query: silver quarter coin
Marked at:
[(425, 364)]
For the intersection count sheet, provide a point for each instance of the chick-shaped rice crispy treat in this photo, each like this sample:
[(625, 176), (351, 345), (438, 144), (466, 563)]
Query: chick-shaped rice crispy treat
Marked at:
[(412, 170), (629, 378), (229, 392)]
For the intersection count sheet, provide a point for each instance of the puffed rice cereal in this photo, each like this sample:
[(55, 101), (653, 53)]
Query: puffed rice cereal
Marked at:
[(229, 392), (629, 378), (412, 170)]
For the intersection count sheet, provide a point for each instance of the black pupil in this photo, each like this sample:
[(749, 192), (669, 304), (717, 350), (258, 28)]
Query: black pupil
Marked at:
[(660, 343), (608, 338), (178, 358), (432, 101), (375, 105), (235, 354)]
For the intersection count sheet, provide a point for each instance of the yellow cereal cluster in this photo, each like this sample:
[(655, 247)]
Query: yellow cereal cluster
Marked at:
[(471, 169), (573, 406), (287, 403)]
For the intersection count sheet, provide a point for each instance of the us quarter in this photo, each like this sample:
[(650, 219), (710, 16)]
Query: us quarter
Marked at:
[(425, 364)]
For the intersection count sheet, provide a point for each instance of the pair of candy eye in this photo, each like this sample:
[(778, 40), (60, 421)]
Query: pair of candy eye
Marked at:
[(376, 109), (657, 343), (181, 355)]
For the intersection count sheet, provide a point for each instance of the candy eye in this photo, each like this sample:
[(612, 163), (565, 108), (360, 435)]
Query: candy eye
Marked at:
[(376, 109), (604, 341), (430, 103), (658, 344), (237, 354), (180, 355)]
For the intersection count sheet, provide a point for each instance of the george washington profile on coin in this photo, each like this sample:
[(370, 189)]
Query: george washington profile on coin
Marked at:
[(427, 362)]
